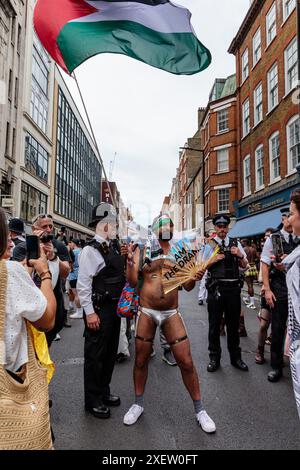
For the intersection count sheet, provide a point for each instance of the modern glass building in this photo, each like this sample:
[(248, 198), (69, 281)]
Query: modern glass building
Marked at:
[(78, 170)]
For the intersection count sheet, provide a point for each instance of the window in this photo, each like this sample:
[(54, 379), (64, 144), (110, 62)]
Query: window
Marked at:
[(247, 176), (246, 118), (33, 202), (288, 7), (223, 120), (10, 85), (39, 88), (206, 169), (222, 160), (7, 139), (271, 24), (259, 165), (245, 65), (13, 29), (293, 143), (13, 144), (258, 104), (223, 200), (274, 155), (36, 158), (19, 39), (273, 87), (78, 171), (291, 66), (256, 46), (16, 92)]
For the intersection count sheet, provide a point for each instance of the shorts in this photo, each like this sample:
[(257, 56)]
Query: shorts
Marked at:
[(73, 284), (158, 316)]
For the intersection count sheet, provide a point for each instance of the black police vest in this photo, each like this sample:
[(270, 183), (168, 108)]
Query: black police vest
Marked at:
[(278, 278), (110, 281), (228, 268)]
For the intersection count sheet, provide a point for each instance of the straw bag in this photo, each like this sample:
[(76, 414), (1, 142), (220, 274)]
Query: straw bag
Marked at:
[(24, 407)]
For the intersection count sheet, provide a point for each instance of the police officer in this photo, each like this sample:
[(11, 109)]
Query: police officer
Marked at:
[(276, 292), (224, 295), (101, 279)]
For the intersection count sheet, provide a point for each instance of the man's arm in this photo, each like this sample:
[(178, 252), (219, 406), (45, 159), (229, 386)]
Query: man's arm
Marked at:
[(266, 264), (189, 285), (88, 269), (240, 253), (132, 269)]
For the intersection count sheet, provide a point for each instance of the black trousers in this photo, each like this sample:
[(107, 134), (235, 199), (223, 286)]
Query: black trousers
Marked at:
[(100, 351), (229, 303), (279, 320)]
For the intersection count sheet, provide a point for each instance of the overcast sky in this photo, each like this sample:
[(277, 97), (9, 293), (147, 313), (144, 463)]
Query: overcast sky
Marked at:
[(144, 114)]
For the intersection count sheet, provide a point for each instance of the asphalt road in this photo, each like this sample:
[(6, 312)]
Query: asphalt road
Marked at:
[(250, 412)]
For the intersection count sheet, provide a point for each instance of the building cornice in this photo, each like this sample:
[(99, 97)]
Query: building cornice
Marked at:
[(246, 25)]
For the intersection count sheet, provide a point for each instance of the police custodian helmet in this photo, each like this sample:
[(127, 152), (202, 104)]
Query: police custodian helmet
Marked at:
[(221, 219), (103, 211)]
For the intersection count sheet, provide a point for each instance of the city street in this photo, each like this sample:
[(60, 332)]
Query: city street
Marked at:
[(250, 412)]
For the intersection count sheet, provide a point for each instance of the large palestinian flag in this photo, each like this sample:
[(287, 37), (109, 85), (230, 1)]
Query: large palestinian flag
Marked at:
[(153, 31)]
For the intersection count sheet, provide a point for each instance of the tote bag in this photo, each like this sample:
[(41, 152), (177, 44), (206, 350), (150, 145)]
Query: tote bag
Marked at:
[(24, 407)]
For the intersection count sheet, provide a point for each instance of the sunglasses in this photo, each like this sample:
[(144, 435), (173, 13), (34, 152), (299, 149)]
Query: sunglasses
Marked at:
[(222, 225), (41, 216)]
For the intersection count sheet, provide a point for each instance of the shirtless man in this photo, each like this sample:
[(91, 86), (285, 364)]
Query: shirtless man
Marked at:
[(157, 309)]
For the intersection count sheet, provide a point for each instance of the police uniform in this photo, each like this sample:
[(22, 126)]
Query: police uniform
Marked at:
[(101, 279), (224, 296), (279, 288)]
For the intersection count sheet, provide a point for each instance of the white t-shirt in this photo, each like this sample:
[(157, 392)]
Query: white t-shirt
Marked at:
[(23, 301)]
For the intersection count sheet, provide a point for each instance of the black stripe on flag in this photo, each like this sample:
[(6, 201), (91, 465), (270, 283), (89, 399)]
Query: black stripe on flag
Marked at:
[(146, 2)]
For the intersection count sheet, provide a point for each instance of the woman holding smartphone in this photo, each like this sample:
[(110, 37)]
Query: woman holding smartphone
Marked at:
[(292, 264), (24, 301)]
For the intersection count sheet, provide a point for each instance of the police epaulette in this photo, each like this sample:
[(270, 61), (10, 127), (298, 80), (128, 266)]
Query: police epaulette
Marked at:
[(103, 248)]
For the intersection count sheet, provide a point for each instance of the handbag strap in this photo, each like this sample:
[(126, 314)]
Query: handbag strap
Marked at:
[(3, 287)]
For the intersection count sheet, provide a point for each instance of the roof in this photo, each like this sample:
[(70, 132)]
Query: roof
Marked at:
[(229, 87), (253, 11)]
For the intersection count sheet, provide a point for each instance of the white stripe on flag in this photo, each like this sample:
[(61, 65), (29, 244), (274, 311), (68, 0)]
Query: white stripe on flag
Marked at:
[(165, 18)]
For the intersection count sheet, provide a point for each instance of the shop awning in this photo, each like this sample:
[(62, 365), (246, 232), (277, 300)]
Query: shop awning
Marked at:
[(256, 224)]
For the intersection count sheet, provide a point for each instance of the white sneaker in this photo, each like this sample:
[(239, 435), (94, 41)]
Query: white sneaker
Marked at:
[(251, 306), (57, 337), (246, 300), (206, 422), (133, 414), (76, 315)]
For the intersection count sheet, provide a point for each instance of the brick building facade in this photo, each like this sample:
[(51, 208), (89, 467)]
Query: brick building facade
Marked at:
[(267, 117), (219, 144)]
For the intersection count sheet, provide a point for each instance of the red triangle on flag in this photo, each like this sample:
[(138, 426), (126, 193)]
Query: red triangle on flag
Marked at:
[(50, 16)]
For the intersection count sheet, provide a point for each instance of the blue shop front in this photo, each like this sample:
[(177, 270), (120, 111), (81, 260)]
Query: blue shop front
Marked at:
[(260, 212)]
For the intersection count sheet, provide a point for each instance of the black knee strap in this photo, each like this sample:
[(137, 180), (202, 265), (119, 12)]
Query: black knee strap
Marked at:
[(179, 340), (264, 319), (144, 339)]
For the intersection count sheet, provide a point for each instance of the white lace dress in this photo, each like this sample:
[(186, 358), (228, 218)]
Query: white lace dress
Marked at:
[(292, 263)]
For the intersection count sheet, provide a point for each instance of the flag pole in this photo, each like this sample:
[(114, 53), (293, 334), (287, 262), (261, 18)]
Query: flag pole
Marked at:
[(95, 141)]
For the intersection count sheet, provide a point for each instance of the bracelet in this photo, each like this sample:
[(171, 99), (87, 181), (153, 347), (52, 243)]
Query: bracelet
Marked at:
[(45, 274), (45, 278)]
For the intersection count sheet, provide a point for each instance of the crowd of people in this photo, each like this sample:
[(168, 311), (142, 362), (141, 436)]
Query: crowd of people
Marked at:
[(94, 277)]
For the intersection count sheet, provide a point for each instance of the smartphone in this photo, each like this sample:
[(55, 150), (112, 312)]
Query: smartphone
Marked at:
[(277, 246), (32, 247)]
